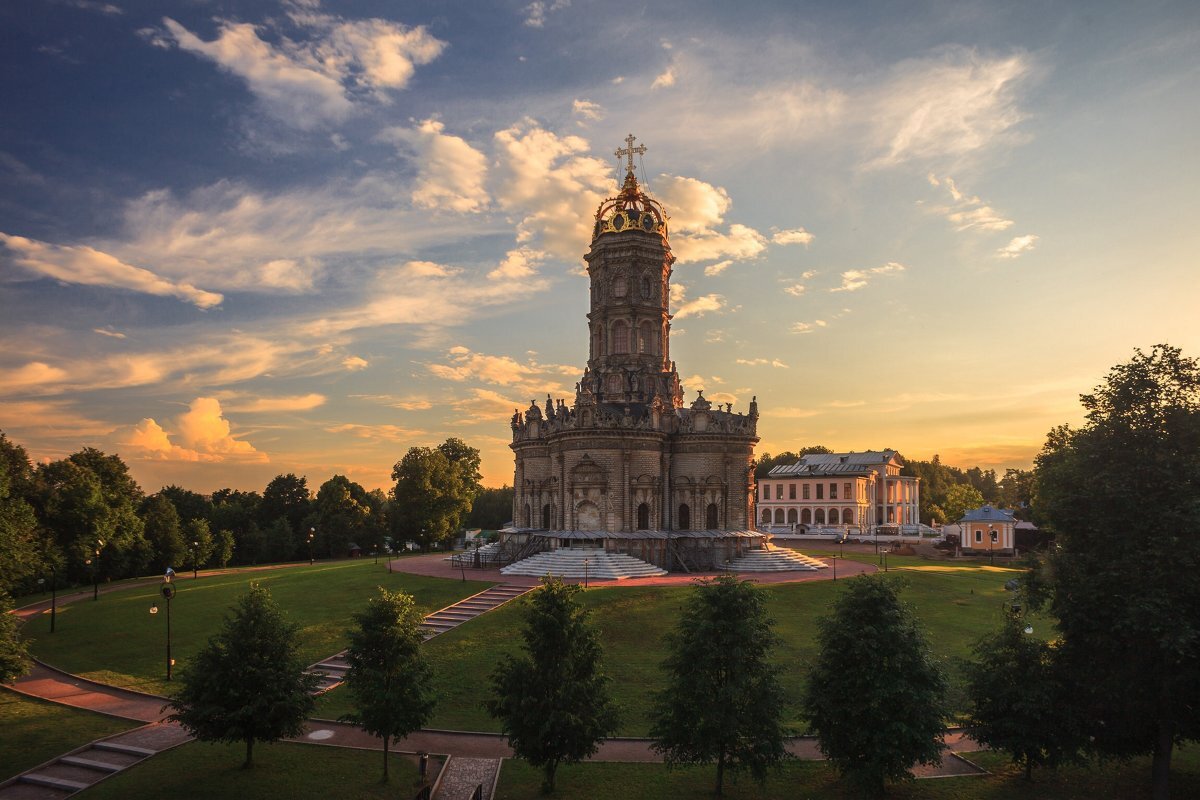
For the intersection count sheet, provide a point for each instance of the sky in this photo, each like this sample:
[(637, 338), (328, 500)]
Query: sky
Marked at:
[(241, 239)]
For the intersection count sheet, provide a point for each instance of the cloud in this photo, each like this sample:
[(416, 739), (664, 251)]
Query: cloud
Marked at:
[(796, 289), (587, 111), (550, 182), (259, 405), (517, 264), (203, 434), (665, 79), (535, 12), (109, 332), (89, 267), (1018, 246), (968, 212), (450, 173), (808, 327), (486, 404), (793, 413), (354, 363), (855, 279), (696, 208), (316, 80), (53, 420), (756, 362), (529, 377), (700, 306), (388, 433), (793, 236), (428, 269), (717, 268), (30, 376), (949, 104)]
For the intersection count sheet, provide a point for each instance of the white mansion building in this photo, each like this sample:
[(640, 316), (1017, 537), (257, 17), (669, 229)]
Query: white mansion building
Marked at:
[(859, 490)]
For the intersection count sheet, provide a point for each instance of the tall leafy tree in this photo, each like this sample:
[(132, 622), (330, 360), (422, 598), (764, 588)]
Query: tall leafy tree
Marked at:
[(190, 505), (959, 499), (875, 697), (341, 515), (237, 512), (552, 701), (1018, 698), (1124, 583), (248, 683), (491, 508), (13, 649), (723, 702), (766, 462), (223, 548), (198, 539), (389, 678), (163, 533), (285, 496), (434, 490), (21, 549), (281, 544)]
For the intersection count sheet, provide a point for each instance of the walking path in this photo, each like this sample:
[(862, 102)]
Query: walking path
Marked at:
[(475, 757)]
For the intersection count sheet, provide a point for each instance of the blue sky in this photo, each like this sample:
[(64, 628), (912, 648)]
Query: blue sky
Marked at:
[(239, 239)]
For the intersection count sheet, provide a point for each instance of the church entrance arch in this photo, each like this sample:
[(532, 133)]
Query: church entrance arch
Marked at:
[(791, 516), (806, 516), (779, 516), (847, 516), (587, 516), (546, 516), (820, 516), (685, 518), (712, 517), (643, 517), (833, 516)]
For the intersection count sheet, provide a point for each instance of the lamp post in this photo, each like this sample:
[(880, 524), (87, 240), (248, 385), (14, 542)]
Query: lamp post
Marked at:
[(312, 532), (992, 544), (195, 560), (167, 590), (885, 567), (835, 560), (376, 549), (95, 562)]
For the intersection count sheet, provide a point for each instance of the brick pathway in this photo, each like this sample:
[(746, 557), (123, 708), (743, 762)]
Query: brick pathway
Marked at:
[(462, 775)]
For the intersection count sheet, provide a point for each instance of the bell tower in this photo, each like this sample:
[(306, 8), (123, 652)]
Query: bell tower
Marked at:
[(629, 267)]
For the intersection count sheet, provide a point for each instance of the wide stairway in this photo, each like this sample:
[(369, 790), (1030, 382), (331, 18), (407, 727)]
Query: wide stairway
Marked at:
[(773, 559), (583, 562)]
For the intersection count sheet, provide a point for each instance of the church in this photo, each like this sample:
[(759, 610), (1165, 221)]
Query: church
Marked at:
[(628, 465)]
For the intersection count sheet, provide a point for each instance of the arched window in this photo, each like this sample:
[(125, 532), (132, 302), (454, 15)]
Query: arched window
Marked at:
[(806, 516), (791, 516), (620, 287), (766, 516), (597, 344), (820, 516), (643, 517), (711, 515), (528, 516), (620, 336), (779, 516), (546, 516), (646, 337), (685, 518), (847, 516), (833, 516), (616, 384), (645, 287)]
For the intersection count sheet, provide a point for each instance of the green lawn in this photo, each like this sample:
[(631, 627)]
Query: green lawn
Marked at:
[(957, 602), (33, 731), (200, 771), (117, 641), (814, 779)]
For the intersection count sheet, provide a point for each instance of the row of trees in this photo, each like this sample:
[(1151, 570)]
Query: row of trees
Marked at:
[(86, 518)]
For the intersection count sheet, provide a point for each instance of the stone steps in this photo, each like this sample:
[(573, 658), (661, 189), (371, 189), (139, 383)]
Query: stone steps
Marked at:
[(773, 559), (77, 770), (569, 563), (469, 608)]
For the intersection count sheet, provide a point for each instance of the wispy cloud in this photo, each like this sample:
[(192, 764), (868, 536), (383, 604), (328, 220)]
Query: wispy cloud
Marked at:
[(793, 236), (535, 12), (90, 267), (855, 279), (755, 362), (450, 172), (1018, 246)]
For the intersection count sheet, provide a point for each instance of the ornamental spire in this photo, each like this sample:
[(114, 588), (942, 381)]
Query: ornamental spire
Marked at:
[(630, 151)]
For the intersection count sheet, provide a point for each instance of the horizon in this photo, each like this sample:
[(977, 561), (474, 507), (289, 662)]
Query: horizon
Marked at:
[(306, 236)]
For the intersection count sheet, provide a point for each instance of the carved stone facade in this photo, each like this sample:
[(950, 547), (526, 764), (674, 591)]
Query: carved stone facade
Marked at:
[(627, 456)]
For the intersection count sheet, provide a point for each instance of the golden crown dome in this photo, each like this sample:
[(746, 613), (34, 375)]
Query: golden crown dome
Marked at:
[(631, 209)]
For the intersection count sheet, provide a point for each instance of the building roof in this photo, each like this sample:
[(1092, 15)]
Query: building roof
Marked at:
[(987, 514), (836, 463)]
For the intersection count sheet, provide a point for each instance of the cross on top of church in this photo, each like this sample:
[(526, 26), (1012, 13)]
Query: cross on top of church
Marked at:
[(630, 151)]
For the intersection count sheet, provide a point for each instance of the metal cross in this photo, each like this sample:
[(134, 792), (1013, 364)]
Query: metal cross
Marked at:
[(630, 151)]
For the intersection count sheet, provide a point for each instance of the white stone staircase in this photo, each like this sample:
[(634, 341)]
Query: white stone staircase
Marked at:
[(569, 563), (773, 559)]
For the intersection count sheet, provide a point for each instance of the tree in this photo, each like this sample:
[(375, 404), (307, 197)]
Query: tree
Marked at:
[(389, 678), (723, 702), (341, 515), (764, 464), (552, 701), (959, 499), (491, 508), (1120, 495), (237, 513), (248, 683), (285, 496), (875, 697), (1018, 700), (21, 549), (199, 541), (280, 541), (162, 531), (434, 491), (13, 649), (223, 548), (190, 505)]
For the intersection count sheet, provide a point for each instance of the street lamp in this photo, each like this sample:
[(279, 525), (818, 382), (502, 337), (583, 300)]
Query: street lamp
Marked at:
[(95, 562), (376, 550), (53, 595), (195, 560), (312, 532), (992, 544), (167, 591), (885, 568), (835, 560)]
